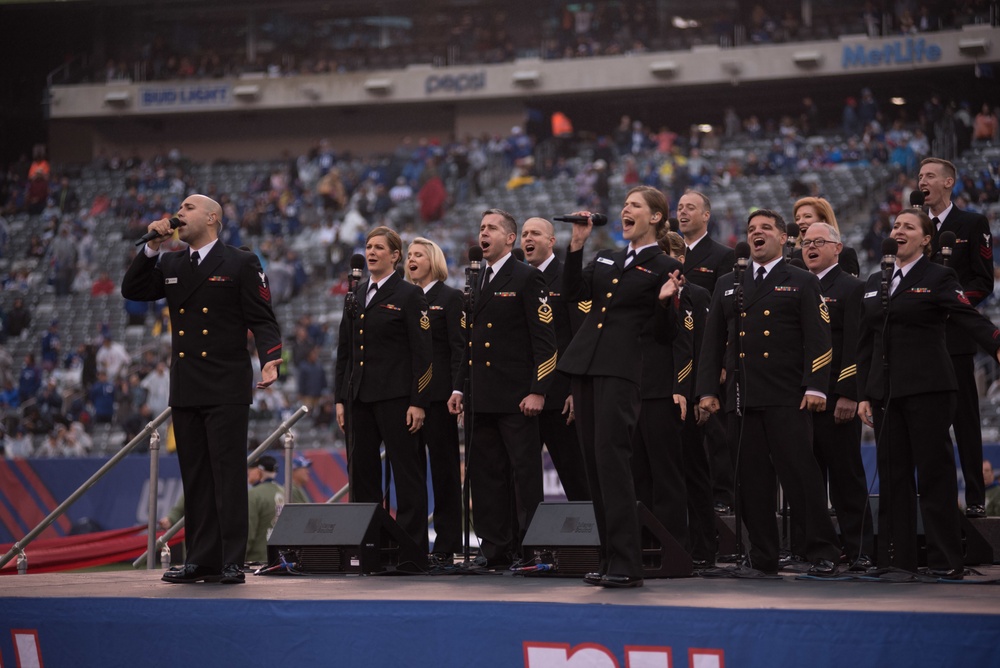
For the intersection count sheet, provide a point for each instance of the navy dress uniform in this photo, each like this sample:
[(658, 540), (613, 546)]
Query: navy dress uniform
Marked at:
[(911, 421), (786, 349), (605, 362), (703, 266), (512, 353), (560, 438), (392, 370), (439, 435), (212, 305), (972, 260)]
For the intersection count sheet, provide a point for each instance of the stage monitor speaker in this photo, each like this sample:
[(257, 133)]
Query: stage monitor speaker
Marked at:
[(343, 538), (565, 534), (976, 548)]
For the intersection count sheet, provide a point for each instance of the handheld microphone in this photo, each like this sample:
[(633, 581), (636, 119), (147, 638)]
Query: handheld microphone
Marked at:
[(917, 198), (889, 249), (598, 219), (947, 241), (175, 222)]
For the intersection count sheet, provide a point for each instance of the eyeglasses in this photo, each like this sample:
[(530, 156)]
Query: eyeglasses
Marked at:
[(818, 243)]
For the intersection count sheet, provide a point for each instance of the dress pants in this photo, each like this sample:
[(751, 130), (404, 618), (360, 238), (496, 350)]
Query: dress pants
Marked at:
[(564, 450), (439, 443), (505, 465), (968, 431), (378, 422), (607, 410), (720, 459), (212, 453), (913, 433), (698, 481), (658, 466), (778, 440)]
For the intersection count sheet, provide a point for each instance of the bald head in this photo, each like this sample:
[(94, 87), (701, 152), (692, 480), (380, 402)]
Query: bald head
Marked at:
[(201, 219), (538, 239)]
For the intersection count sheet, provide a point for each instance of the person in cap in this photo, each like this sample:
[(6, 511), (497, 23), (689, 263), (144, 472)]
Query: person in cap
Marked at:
[(265, 500), (300, 478)]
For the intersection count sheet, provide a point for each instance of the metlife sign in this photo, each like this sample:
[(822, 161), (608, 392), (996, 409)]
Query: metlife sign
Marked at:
[(192, 96), (910, 51)]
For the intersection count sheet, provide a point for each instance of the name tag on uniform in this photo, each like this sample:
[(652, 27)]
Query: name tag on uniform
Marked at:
[(604, 260), (729, 292), (170, 281), (873, 293)]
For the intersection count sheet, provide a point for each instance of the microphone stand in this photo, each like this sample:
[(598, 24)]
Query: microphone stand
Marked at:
[(470, 297), (738, 298), (351, 309), (886, 529)]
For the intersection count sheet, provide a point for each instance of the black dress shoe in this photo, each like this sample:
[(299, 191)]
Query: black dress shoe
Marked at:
[(702, 564), (191, 573), (593, 579), (946, 573), (723, 509), (862, 563), (975, 512), (823, 568), (232, 574), (620, 581)]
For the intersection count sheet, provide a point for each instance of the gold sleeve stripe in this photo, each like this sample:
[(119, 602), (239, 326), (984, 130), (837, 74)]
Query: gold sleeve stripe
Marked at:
[(847, 372), (425, 379), (547, 367), (822, 360), (585, 306), (685, 372)]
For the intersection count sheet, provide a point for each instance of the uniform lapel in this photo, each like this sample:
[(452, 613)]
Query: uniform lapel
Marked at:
[(777, 276), (192, 277), (911, 278), (384, 292)]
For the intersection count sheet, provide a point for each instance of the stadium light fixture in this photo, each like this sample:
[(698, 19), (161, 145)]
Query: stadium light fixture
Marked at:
[(378, 86), (246, 92), (526, 78), (974, 46), (663, 68), (118, 98), (807, 59)]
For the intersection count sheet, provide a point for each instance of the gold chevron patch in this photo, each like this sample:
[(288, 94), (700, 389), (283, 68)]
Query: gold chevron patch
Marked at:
[(822, 360), (548, 366), (463, 319), (425, 322), (847, 372), (824, 312), (685, 372), (585, 306), (689, 322), (425, 379), (545, 311)]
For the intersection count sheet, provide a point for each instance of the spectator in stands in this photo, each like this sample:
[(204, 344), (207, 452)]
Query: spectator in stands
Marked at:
[(18, 444), (29, 380), (102, 399), (103, 285), (10, 397), (300, 479), (18, 319), (311, 379), (50, 401), (112, 358), (157, 386), (266, 498), (985, 126), (64, 256)]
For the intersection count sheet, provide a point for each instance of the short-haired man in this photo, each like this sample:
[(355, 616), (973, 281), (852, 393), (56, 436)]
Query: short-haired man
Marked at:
[(705, 260), (538, 240), (512, 359), (777, 353), (972, 260), (837, 430)]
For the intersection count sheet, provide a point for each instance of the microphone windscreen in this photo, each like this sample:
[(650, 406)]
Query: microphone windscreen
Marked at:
[(742, 250), (917, 198), (598, 219), (890, 246), (947, 239), (357, 261), (797, 262), (793, 231), (475, 254), (175, 222), (518, 254)]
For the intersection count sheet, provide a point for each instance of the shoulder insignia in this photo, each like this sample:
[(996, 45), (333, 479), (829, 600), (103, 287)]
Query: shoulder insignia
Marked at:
[(545, 311), (425, 322), (824, 312), (585, 306), (962, 298)]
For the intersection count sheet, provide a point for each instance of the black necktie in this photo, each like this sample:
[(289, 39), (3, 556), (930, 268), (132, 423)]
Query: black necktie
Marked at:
[(195, 259), (487, 275), (629, 257), (760, 276), (372, 289), (894, 283), (937, 222)]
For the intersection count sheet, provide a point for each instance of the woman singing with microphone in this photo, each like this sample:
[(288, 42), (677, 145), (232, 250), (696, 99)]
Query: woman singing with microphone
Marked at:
[(386, 375), (910, 407), (427, 269), (625, 289)]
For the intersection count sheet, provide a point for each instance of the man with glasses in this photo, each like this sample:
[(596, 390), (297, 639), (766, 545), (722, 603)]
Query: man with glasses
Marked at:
[(837, 430)]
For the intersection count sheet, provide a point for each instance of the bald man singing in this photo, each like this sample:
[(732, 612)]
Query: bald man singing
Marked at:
[(215, 294)]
